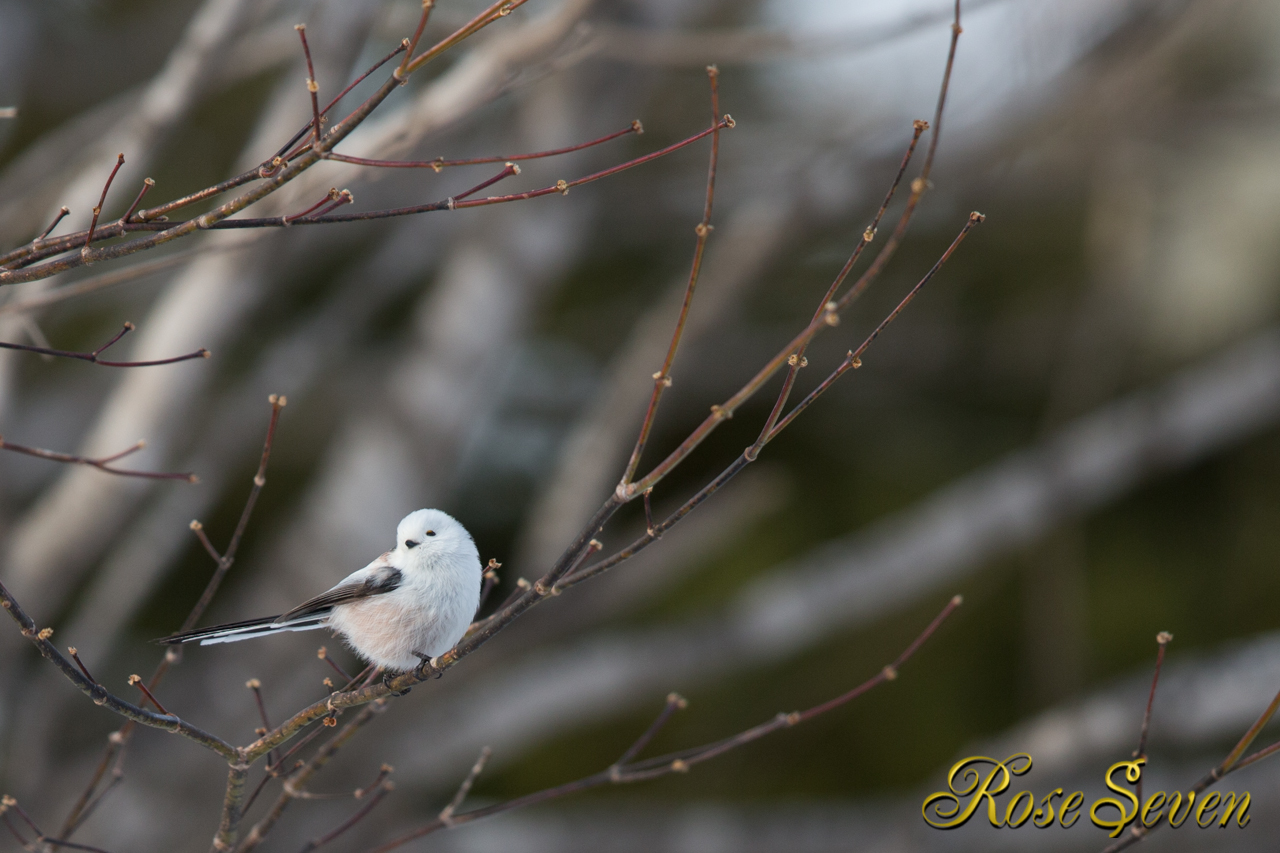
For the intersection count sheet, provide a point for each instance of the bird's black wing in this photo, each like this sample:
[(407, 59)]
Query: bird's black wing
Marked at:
[(379, 582)]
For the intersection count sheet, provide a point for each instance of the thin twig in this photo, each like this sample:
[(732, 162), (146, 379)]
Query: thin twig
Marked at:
[(99, 694), (147, 183), (446, 813), (359, 815), (102, 464), (97, 211), (440, 163), (312, 86), (662, 379), (622, 772), (93, 358), (62, 212), (323, 654), (1162, 642), (136, 681)]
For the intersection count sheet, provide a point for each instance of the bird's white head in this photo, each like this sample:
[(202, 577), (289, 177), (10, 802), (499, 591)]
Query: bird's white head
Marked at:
[(429, 536)]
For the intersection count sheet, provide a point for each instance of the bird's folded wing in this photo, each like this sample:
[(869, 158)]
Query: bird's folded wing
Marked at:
[(377, 581)]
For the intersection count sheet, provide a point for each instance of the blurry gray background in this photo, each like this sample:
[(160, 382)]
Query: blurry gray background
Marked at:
[(1076, 426)]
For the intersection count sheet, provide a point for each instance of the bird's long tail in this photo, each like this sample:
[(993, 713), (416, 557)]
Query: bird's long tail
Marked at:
[(233, 632)]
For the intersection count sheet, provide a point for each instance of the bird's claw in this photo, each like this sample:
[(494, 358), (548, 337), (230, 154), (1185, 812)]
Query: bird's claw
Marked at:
[(386, 682)]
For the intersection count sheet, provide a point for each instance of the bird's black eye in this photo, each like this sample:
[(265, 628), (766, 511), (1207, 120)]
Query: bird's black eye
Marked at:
[(431, 533), (409, 543)]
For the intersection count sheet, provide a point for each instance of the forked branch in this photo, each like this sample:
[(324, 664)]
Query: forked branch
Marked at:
[(626, 770)]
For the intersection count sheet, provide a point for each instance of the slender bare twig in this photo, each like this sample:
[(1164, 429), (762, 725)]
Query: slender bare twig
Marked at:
[(18, 265), (102, 463), (300, 778), (313, 88), (625, 771), (323, 654), (491, 580), (412, 44), (99, 694), (14, 266), (118, 740), (136, 681), (147, 183), (1228, 765), (446, 813), (1162, 642), (8, 803), (383, 789), (662, 379), (797, 360), (93, 356), (62, 212), (851, 361), (97, 211), (439, 164)]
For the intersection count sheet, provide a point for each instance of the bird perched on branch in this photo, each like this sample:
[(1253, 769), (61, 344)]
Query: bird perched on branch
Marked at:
[(408, 606)]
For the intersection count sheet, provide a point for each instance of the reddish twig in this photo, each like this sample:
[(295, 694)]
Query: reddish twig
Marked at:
[(624, 771), (8, 803), (136, 681), (118, 740), (439, 164), (384, 789), (313, 88), (93, 356), (278, 158), (75, 656), (102, 464), (1162, 642), (1228, 765), (62, 213), (851, 361), (662, 379), (412, 44), (446, 813), (323, 654), (147, 183), (797, 360), (97, 211)]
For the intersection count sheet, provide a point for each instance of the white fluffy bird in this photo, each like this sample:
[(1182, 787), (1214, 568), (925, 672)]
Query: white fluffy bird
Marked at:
[(411, 604)]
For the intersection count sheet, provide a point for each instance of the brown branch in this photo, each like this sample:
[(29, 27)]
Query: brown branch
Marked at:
[(323, 654), (93, 356), (440, 163), (383, 789), (624, 772), (118, 740), (136, 681), (97, 211), (293, 787), (1228, 765), (662, 379), (558, 577), (147, 183), (1162, 642), (278, 158), (8, 803), (62, 212), (851, 361), (797, 360), (412, 44), (99, 694), (313, 88), (102, 464)]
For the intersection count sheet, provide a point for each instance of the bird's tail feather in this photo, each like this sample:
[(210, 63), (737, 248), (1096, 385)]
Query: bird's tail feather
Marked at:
[(233, 632)]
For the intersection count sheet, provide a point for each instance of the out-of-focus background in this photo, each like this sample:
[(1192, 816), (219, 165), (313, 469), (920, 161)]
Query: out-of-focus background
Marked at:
[(1077, 426)]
